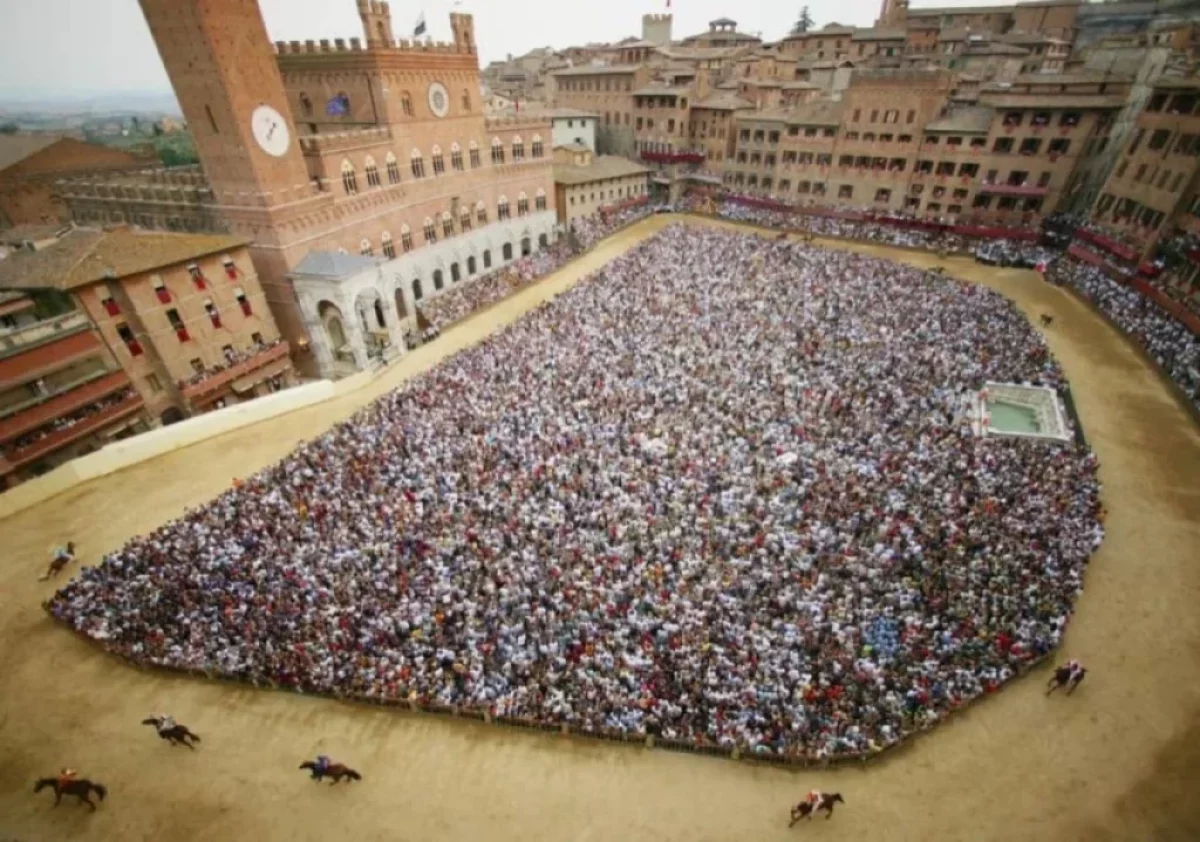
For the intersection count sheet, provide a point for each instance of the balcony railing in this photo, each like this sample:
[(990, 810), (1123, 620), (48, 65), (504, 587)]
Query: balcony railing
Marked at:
[(1109, 245), (45, 410), (43, 331), (86, 426), (226, 376), (673, 157)]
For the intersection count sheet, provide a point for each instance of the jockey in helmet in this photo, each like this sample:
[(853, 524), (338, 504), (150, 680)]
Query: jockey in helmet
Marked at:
[(1074, 667), (813, 798), (65, 777), (164, 722), (323, 764)]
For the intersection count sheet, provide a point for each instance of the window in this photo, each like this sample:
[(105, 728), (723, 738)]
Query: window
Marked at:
[(131, 344), (1044, 179), (874, 115), (1137, 141), (824, 159), (1124, 165), (982, 202), (785, 185), (896, 165), (430, 230), (161, 291), (931, 140), (933, 207), (177, 325), (481, 215), (417, 164), (471, 266), (845, 160), (198, 276), (818, 189), (417, 293), (1159, 139), (464, 219), (539, 201), (243, 301), (456, 161), (1162, 179), (474, 151), (393, 169), (487, 258), (349, 179), (945, 168), (1069, 119), (969, 170), (1012, 118), (455, 273), (447, 224), (857, 114), (892, 115), (389, 248), (537, 148), (406, 103), (852, 135), (306, 105), (924, 166), (803, 187), (1141, 171), (959, 193), (364, 248), (502, 211), (406, 241), (507, 251), (910, 116), (518, 149), (1031, 146), (372, 172), (1059, 146), (439, 163), (110, 306), (466, 101), (1006, 203), (1017, 178), (954, 141), (883, 194), (197, 365), (846, 192), (213, 314), (497, 151), (1041, 118), (1003, 145)]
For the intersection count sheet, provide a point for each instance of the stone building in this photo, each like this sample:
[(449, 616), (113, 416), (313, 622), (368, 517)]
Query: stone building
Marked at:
[(30, 165), (360, 146), (585, 184), (183, 315)]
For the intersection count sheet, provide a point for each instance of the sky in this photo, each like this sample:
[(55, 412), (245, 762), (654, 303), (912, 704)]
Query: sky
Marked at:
[(107, 47)]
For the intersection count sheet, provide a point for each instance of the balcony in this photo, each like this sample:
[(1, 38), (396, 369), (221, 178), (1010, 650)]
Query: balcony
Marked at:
[(31, 360), (673, 157), (1109, 245), (61, 438), (64, 403), (43, 331), (1029, 190), (225, 377)]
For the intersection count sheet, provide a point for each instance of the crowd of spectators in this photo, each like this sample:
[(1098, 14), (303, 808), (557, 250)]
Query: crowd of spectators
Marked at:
[(65, 422), (723, 491), (230, 358)]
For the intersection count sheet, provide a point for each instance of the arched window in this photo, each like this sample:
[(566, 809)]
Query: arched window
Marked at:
[(437, 279), (456, 157), (464, 218), (455, 273), (372, 172), (518, 147), (406, 103), (502, 211), (447, 224), (430, 230), (471, 265), (487, 258), (364, 248), (539, 201), (439, 163), (417, 164), (466, 101), (349, 179), (474, 149), (393, 169), (305, 105), (497, 151), (481, 212), (406, 238), (537, 146), (389, 248), (416, 289), (522, 204), (507, 251)]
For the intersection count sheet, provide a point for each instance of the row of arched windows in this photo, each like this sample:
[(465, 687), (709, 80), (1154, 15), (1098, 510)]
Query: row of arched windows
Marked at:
[(339, 104), (506, 252), (445, 226), (438, 160)]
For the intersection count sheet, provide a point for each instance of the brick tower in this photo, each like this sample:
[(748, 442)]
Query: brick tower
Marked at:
[(226, 77)]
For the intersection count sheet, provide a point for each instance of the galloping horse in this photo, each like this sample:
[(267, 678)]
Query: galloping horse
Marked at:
[(1066, 677), (175, 734), (1047, 319), (80, 788), (337, 771), (62, 557), (806, 808)]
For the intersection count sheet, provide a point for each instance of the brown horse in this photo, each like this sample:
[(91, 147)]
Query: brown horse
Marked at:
[(80, 788), (1065, 677), (60, 561), (177, 734), (337, 771), (805, 809)]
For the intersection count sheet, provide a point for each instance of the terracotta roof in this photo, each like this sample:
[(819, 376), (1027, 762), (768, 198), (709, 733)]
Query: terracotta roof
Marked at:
[(800, 85), (87, 255), (32, 232), (15, 148), (664, 91), (965, 119), (816, 114), (595, 69), (938, 11), (699, 53), (602, 167), (723, 101), (995, 50), (879, 35)]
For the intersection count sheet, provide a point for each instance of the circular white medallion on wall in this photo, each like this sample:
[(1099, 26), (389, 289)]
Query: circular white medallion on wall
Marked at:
[(270, 130), (439, 99)]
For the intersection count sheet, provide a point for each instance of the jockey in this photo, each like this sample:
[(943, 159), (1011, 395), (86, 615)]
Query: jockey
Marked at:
[(65, 777), (164, 722), (323, 763), (813, 798), (1073, 667)]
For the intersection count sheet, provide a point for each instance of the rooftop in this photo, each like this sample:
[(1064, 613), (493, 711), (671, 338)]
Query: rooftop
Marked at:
[(88, 255), (879, 35), (816, 114), (602, 167), (663, 91), (15, 148), (594, 69), (965, 119), (333, 264), (723, 101)]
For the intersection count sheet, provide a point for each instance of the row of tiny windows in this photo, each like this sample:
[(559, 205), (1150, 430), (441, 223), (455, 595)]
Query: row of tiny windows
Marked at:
[(339, 105), (465, 223), (417, 162)]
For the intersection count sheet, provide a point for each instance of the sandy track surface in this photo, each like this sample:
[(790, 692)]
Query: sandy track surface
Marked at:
[(1120, 760)]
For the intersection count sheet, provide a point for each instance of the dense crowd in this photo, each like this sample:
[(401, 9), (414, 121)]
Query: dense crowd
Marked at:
[(230, 358), (65, 422), (722, 491), (1169, 343), (591, 230), (1018, 253)]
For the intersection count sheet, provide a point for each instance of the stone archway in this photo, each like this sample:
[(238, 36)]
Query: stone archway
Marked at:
[(455, 273), (526, 246), (543, 241), (417, 292), (171, 415), (507, 252), (335, 328), (471, 267), (438, 282)]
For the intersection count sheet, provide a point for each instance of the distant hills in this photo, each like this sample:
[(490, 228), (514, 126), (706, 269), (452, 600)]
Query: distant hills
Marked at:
[(16, 103)]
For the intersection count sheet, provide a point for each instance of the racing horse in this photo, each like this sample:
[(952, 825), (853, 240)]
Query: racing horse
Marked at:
[(1066, 676), (175, 734), (81, 788), (824, 801), (337, 771), (1047, 320)]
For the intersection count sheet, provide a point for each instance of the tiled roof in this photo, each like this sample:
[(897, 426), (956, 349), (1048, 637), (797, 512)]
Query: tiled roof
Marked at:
[(663, 91), (87, 255), (723, 101), (15, 148), (333, 264), (879, 35), (602, 167), (594, 69), (966, 119), (995, 50)]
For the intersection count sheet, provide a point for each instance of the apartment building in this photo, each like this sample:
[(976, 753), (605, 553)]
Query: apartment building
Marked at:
[(586, 184)]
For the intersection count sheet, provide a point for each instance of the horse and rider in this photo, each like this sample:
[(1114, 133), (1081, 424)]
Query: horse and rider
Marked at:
[(62, 557), (814, 801), (323, 767), (1070, 675), (67, 783), (171, 731)]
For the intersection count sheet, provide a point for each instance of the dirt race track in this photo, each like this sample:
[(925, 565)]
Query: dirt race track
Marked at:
[(1120, 760)]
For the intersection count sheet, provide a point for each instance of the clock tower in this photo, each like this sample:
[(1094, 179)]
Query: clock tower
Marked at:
[(226, 77)]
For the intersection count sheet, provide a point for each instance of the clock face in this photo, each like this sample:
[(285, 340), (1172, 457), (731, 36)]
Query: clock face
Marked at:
[(270, 130), (439, 100)]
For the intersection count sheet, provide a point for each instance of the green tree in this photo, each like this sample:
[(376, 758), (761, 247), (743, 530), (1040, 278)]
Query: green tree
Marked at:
[(804, 23)]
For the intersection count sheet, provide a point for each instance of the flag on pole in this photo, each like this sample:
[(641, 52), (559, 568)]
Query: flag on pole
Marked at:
[(419, 29)]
